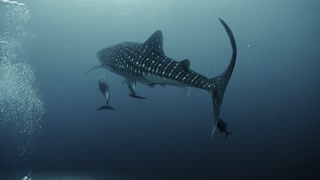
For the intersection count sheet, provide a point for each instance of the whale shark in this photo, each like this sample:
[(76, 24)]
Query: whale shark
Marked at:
[(148, 64)]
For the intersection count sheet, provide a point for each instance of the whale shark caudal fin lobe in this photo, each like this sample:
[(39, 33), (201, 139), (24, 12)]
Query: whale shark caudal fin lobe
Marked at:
[(220, 82), (105, 107)]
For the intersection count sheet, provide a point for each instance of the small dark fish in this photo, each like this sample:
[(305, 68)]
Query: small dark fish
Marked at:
[(222, 126), (104, 89)]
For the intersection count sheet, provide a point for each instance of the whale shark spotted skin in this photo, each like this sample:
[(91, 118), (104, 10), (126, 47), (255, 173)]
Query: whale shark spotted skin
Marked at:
[(147, 63)]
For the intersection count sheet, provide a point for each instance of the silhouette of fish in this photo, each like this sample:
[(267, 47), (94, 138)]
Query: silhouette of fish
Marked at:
[(222, 126)]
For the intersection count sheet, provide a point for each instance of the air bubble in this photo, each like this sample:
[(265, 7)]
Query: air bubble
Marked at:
[(21, 108)]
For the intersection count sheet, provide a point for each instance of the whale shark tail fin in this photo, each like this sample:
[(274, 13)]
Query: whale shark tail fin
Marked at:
[(220, 82)]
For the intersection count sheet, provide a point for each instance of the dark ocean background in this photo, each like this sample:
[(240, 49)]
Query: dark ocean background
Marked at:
[(271, 103)]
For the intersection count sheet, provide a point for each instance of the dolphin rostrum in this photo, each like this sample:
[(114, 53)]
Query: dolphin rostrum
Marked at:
[(147, 63)]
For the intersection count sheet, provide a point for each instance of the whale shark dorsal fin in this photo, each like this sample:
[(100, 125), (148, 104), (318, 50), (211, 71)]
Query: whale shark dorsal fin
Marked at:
[(185, 63), (155, 41)]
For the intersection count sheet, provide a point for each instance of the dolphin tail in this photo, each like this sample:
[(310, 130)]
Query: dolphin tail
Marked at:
[(220, 82), (227, 134), (105, 107)]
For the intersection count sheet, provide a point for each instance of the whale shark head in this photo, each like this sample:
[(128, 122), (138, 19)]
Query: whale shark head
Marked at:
[(103, 55)]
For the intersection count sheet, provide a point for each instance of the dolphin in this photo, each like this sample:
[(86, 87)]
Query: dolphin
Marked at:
[(104, 89), (222, 126), (148, 64)]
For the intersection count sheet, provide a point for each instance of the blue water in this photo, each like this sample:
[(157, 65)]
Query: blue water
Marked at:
[(50, 129)]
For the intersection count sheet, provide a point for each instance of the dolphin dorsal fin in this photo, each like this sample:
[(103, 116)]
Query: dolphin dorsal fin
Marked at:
[(185, 64), (155, 41)]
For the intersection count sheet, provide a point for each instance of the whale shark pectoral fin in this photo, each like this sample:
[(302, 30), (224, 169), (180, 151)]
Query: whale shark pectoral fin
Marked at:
[(132, 87)]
